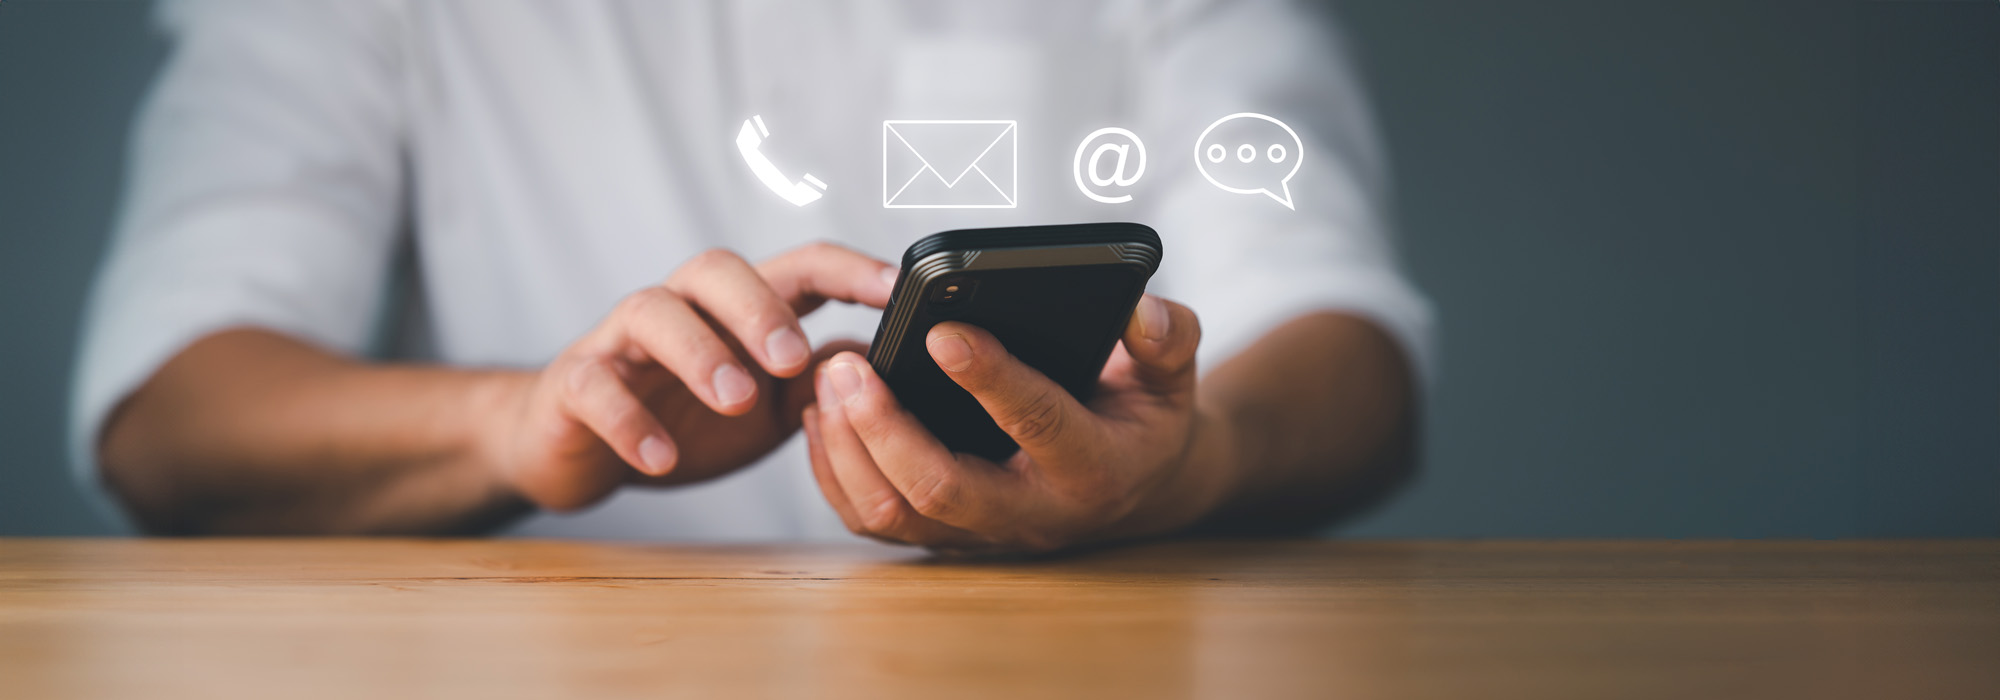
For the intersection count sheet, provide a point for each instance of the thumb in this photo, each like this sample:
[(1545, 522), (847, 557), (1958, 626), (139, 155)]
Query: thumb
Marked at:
[(1031, 408), (796, 393), (1161, 339)]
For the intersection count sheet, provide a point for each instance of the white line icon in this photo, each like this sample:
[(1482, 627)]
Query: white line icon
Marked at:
[(1233, 157), (750, 141), (1109, 136), (950, 164)]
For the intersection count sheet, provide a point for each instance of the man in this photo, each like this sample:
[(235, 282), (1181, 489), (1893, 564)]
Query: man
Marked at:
[(541, 167)]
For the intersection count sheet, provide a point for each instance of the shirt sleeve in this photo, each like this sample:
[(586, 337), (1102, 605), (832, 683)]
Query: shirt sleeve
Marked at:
[(264, 189), (1246, 263)]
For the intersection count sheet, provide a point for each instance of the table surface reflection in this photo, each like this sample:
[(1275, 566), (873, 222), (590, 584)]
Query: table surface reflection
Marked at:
[(1233, 619)]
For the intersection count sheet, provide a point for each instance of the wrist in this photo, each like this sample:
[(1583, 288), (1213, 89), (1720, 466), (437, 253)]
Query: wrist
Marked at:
[(1215, 468), (496, 407), (1198, 482), (423, 452)]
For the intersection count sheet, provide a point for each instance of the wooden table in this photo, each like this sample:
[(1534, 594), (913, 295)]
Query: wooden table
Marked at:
[(511, 618)]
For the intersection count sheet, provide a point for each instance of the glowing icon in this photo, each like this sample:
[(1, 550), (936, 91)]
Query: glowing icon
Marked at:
[(1250, 153), (949, 164), (1110, 140), (750, 141)]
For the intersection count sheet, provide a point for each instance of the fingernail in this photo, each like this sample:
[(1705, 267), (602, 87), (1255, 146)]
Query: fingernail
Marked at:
[(785, 347), (823, 390), (952, 352), (1153, 318), (846, 380), (889, 277), (657, 455), (732, 385)]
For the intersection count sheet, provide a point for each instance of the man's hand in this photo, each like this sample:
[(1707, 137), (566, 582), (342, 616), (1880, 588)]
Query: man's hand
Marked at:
[(683, 381), (251, 431), (1134, 461)]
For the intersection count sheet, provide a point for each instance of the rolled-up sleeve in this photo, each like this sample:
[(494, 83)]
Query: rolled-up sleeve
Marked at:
[(264, 189), (1246, 263)]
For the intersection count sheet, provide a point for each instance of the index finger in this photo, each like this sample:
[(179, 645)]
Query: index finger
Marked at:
[(1043, 418), (962, 491), (809, 276)]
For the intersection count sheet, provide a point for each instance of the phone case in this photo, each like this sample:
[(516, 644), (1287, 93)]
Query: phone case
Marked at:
[(1058, 298)]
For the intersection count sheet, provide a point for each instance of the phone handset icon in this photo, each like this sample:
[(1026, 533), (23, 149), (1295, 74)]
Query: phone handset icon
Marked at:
[(749, 141)]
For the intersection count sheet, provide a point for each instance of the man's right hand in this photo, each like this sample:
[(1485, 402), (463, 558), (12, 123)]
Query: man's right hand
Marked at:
[(684, 381)]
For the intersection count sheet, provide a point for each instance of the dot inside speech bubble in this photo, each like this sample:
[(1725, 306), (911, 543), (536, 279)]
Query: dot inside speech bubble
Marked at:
[(1249, 153)]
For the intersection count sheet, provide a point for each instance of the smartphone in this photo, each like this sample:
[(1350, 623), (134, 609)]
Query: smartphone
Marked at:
[(1058, 298)]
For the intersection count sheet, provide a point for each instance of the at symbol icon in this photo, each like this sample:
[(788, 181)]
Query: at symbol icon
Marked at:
[(1093, 168)]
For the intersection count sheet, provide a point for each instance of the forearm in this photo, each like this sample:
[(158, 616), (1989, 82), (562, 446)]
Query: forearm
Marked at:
[(1314, 420), (247, 431)]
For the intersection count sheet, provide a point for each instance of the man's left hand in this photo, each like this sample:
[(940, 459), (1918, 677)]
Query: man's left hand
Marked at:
[(1140, 458)]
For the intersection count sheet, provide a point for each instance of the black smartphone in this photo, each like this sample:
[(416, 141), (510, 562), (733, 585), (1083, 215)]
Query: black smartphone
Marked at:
[(1058, 297)]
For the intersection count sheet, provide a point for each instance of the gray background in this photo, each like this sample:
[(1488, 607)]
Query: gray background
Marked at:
[(1720, 268)]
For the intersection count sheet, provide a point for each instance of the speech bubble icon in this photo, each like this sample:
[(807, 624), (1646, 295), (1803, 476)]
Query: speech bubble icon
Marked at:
[(1249, 153)]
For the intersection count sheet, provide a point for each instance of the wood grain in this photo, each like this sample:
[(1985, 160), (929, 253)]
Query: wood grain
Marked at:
[(537, 619)]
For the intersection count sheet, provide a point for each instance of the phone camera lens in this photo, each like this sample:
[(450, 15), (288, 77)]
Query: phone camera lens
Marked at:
[(952, 291)]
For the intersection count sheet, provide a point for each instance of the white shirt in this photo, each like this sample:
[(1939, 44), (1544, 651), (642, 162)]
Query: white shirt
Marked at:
[(545, 159)]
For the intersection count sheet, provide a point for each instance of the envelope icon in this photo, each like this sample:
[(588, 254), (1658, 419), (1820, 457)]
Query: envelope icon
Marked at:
[(949, 164)]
